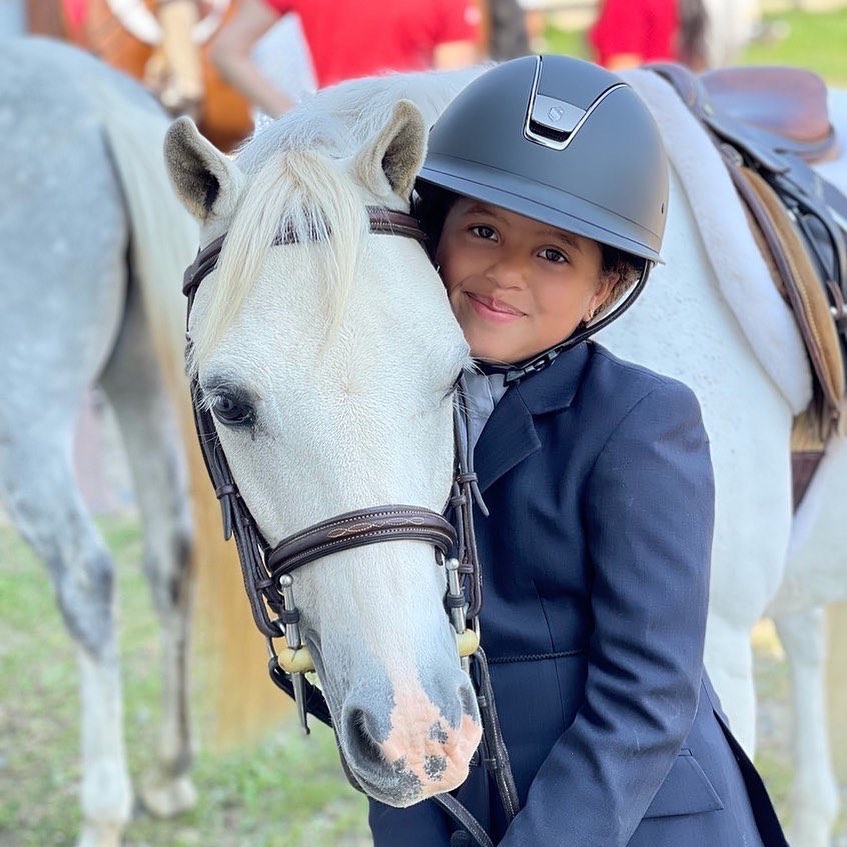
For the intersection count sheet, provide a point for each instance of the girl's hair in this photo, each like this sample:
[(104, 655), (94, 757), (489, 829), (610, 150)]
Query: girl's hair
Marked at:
[(624, 268), (432, 204)]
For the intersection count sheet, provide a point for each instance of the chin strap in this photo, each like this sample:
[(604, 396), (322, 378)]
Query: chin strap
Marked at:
[(515, 373)]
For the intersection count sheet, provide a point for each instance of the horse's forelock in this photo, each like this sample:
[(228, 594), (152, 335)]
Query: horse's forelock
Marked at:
[(300, 196)]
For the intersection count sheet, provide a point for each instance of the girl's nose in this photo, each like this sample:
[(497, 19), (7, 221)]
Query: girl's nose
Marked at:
[(508, 272)]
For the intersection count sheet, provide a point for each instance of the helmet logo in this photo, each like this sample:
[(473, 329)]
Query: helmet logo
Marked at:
[(555, 113), (552, 122)]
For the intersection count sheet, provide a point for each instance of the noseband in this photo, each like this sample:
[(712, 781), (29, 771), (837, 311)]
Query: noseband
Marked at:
[(267, 570)]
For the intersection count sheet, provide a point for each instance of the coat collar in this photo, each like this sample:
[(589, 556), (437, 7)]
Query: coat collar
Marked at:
[(509, 435), (553, 388)]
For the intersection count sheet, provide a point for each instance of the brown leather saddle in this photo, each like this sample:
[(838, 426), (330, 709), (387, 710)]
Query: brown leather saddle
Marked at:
[(770, 124)]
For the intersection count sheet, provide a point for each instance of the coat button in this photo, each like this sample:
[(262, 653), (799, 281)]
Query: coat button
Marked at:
[(460, 839)]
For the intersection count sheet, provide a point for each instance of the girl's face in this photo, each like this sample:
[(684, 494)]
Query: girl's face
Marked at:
[(517, 286)]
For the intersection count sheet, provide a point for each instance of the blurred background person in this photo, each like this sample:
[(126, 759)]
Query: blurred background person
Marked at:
[(348, 40), (163, 43), (506, 33), (628, 33)]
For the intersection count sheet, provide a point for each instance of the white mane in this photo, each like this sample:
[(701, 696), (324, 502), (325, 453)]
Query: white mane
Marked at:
[(296, 188)]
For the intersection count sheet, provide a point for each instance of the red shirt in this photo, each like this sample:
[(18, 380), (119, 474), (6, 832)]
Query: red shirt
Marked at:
[(647, 28), (355, 38)]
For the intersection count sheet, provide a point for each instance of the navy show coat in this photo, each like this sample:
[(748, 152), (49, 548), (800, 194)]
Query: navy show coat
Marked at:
[(596, 557)]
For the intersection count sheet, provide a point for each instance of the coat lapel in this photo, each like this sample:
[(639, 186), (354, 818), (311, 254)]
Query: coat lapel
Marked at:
[(509, 435)]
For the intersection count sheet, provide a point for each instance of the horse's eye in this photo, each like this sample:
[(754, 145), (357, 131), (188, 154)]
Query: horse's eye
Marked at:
[(231, 411)]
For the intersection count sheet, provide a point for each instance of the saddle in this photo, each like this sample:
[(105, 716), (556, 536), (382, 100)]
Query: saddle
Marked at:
[(770, 124)]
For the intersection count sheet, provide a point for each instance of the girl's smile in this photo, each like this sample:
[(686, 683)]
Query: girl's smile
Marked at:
[(492, 309)]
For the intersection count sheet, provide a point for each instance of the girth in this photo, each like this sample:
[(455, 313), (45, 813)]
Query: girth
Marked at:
[(267, 570)]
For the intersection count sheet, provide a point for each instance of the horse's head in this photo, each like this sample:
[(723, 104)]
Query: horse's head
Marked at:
[(328, 362)]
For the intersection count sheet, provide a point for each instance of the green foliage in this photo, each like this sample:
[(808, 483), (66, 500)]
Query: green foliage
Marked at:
[(566, 42)]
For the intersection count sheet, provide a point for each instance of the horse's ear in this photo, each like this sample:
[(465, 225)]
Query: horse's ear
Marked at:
[(392, 159), (207, 182)]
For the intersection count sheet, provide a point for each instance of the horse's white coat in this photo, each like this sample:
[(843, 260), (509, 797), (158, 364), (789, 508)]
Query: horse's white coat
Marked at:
[(749, 384), (743, 278)]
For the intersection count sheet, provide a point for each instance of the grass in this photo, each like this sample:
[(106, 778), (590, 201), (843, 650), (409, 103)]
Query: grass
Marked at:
[(286, 791), (816, 41)]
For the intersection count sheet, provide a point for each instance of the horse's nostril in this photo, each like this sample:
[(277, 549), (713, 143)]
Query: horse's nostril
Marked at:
[(360, 737)]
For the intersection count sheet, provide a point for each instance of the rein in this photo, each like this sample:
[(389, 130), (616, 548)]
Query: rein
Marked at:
[(267, 570)]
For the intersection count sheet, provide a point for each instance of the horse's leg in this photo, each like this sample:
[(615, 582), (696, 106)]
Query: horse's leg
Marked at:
[(814, 794), (148, 423), (815, 576), (38, 488), (729, 660)]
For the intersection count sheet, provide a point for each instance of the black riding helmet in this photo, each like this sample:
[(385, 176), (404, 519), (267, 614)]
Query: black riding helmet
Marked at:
[(561, 141)]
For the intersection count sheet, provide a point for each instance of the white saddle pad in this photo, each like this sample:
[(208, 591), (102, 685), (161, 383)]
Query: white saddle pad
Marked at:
[(743, 277)]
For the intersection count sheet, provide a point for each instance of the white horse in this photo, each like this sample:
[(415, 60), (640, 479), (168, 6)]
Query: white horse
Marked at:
[(328, 363), (89, 226), (329, 368)]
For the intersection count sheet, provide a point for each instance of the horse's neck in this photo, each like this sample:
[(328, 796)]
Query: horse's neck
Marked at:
[(432, 93), (340, 119)]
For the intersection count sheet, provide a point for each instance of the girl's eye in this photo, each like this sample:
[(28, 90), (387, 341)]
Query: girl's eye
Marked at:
[(483, 231), (553, 255)]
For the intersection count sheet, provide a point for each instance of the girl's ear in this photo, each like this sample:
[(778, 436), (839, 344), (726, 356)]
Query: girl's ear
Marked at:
[(606, 286)]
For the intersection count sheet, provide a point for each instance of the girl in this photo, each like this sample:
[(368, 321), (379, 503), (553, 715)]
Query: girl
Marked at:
[(545, 190)]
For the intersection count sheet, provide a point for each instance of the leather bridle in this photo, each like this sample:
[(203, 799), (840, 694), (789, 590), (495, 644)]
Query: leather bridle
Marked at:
[(267, 570)]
